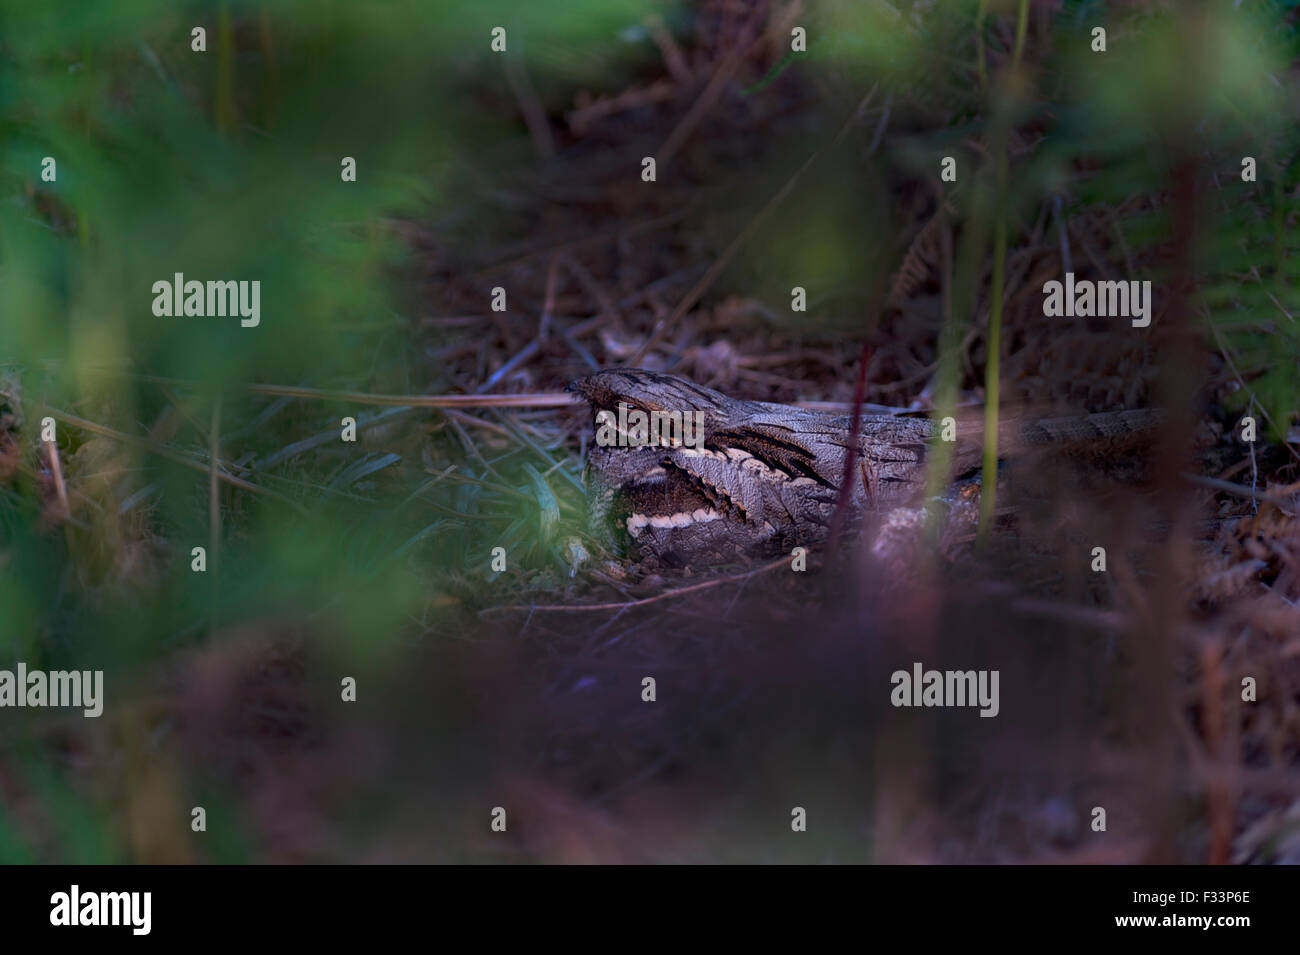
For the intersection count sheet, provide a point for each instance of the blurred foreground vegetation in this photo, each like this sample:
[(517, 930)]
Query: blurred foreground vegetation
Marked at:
[(226, 165)]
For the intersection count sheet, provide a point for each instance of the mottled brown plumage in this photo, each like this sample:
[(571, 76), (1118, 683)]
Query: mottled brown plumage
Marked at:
[(766, 477)]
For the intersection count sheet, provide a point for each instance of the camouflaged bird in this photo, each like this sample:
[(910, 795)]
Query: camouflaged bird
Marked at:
[(764, 477)]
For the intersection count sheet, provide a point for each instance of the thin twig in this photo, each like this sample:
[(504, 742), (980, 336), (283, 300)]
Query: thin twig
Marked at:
[(674, 59), (1240, 490), (532, 399), (569, 608), (525, 400), (709, 97), (56, 472)]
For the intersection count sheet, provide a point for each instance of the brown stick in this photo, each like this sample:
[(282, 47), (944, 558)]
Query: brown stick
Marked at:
[(60, 487), (624, 605)]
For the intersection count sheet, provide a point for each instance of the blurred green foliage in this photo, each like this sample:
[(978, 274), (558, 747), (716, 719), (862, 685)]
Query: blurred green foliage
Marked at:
[(1212, 82), (226, 165)]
